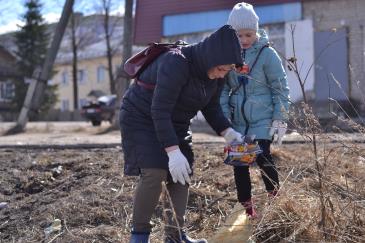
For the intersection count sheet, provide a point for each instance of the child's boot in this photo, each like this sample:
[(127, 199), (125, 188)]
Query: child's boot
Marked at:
[(249, 208), (273, 194)]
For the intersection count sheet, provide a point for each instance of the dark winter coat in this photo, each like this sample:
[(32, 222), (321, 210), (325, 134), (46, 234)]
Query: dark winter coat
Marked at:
[(152, 120)]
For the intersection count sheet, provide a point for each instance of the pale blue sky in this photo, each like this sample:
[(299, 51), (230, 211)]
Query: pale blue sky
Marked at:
[(12, 10)]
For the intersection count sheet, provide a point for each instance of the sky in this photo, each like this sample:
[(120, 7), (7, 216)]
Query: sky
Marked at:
[(12, 10)]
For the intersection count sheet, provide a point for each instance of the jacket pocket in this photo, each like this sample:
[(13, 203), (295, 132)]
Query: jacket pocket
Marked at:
[(258, 109)]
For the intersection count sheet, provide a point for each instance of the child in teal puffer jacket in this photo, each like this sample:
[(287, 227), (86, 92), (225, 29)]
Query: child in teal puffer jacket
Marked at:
[(256, 100)]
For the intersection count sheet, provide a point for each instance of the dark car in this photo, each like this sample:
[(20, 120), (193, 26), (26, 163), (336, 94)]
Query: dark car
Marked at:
[(101, 110)]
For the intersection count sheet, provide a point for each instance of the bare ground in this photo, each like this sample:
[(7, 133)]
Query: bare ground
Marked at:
[(81, 195), (86, 190)]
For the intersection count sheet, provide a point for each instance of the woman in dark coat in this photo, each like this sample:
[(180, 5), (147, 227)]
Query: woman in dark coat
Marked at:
[(155, 119)]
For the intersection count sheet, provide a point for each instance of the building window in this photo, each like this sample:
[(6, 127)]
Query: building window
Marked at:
[(64, 79), (81, 76), (65, 105), (82, 102), (101, 74), (7, 90)]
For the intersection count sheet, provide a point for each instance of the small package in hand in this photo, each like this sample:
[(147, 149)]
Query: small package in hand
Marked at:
[(242, 154)]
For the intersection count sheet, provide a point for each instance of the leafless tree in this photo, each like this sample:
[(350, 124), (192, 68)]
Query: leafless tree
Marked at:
[(110, 25), (122, 80), (74, 60), (127, 45), (80, 36)]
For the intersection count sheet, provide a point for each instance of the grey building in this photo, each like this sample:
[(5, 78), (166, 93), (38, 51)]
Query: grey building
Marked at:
[(339, 47)]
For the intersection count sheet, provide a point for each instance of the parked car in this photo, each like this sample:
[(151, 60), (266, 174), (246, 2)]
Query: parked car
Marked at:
[(103, 109)]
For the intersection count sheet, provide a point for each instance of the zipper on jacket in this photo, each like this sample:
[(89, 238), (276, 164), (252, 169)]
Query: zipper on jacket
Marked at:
[(244, 97), (204, 92)]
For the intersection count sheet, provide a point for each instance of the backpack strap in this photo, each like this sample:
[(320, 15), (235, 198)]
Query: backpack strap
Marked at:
[(257, 57)]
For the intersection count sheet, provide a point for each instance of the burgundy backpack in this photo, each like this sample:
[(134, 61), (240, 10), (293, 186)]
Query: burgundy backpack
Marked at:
[(137, 63)]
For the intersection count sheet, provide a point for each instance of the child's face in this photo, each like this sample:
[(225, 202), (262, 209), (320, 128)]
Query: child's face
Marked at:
[(247, 37)]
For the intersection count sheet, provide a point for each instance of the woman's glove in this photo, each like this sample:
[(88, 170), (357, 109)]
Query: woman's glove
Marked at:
[(179, 167), (231, 135), (278, 127)]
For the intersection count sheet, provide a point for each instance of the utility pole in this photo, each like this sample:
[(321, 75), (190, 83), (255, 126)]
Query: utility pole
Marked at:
[(40, 77)]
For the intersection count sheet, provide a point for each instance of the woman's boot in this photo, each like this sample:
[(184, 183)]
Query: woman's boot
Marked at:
[(140, 237), (184, 239)]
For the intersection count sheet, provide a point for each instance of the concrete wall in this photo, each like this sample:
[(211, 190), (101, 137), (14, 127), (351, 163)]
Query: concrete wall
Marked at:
[(332, 14), (304, 51)]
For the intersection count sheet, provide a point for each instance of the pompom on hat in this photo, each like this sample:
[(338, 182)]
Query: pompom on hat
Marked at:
[(243, 16)]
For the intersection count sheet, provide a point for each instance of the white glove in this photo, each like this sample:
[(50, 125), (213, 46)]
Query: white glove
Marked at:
[(179, 167), (231, 135), (278, 127)]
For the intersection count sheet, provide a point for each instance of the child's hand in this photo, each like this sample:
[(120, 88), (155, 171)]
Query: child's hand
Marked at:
[(278, 127)]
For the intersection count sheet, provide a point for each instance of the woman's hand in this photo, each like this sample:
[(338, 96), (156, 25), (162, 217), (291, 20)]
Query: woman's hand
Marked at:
[(230, 135), (178, 165)]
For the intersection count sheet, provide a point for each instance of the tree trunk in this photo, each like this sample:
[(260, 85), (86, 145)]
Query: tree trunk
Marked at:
[(127, 45), (109, 52), (74, 62), (122, 80)]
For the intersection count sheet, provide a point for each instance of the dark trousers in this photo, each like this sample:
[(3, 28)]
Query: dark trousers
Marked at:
[(146, 198), (268, 172)]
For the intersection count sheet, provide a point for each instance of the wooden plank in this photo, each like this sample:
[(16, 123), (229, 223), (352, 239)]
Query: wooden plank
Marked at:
[(236, 229)]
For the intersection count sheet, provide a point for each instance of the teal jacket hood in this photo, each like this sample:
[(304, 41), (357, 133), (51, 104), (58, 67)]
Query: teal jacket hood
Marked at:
[(263, 39)]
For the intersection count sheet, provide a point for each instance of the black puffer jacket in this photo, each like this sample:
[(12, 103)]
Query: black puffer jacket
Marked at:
[(151, 120)]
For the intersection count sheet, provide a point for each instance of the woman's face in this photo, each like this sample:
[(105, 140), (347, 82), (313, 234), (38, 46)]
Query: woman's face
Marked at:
[(247, 37), (219, 71)]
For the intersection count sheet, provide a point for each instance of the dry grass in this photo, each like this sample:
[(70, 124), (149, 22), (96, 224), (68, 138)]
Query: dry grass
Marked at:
[(295, 216), (93, 199)]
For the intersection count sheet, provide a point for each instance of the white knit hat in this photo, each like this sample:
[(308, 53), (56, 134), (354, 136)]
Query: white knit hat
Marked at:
[(243, 16)]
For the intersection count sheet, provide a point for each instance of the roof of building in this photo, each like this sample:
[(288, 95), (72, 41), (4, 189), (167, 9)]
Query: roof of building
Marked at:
[(7, 61)]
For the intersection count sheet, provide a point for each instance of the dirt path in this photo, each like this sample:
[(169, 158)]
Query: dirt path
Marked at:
[(71, 134), (74, 133)]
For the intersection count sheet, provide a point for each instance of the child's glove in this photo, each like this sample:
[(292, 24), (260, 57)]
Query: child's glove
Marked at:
[(231, 135), (278, 127), (179, 167)]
